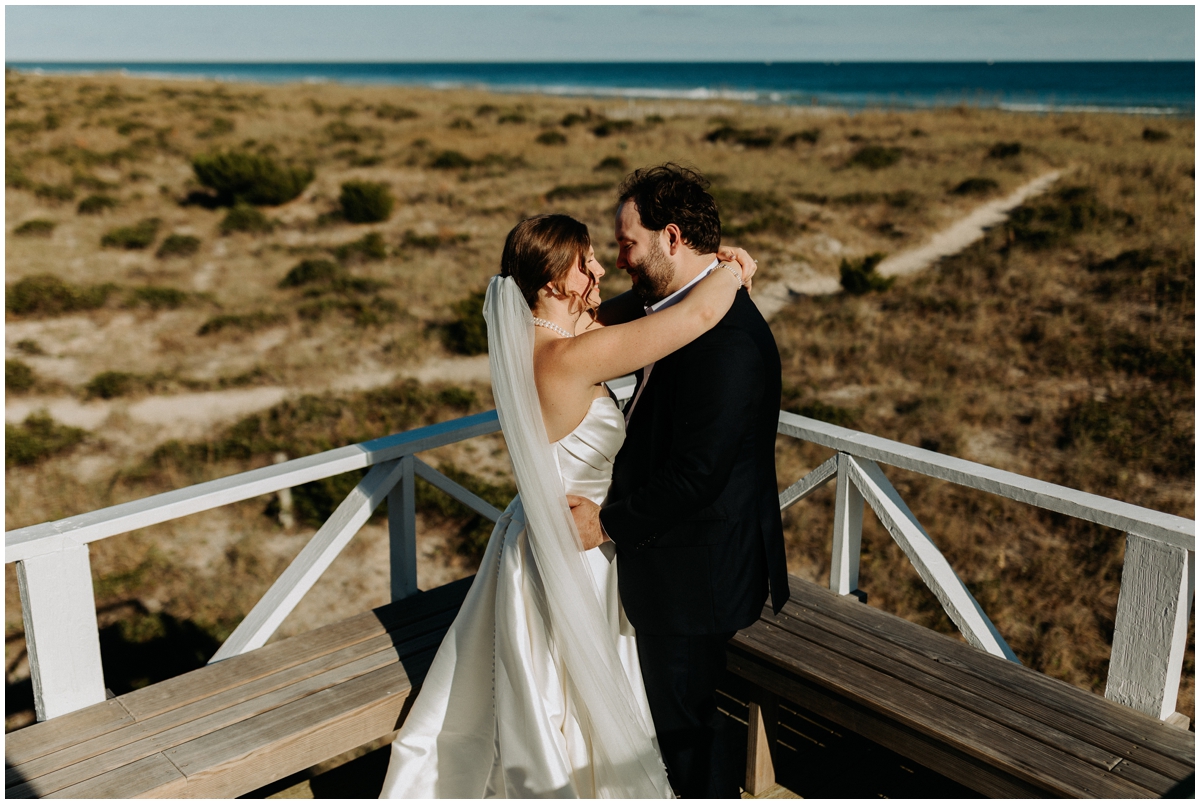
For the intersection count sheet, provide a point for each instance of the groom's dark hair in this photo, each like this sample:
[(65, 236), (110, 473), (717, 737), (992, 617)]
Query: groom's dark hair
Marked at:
[(670, 193)]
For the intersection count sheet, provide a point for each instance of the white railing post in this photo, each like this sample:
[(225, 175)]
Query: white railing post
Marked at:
[(847, 532), (402, 532), (1150, 633), (59, 608)]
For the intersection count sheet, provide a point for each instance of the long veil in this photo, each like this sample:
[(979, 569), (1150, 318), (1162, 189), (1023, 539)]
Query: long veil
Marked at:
[(626, 761)]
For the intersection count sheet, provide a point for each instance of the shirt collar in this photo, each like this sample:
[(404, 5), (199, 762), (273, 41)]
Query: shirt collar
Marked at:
[(683, 291)]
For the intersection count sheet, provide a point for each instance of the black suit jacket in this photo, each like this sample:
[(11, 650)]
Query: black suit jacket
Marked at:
[(693, 508)]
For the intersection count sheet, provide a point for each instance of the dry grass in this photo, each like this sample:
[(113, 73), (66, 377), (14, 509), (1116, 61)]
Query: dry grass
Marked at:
[(1016, 357)]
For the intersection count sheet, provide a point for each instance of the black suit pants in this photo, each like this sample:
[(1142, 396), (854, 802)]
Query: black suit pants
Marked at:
[(681, 674)]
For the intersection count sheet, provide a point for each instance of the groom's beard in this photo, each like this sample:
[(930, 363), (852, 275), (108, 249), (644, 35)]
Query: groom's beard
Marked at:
[(652, 276)]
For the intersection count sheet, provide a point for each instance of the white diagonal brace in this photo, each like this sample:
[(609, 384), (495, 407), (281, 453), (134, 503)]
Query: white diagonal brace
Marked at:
[(808, 484), (269, 613), (928, 560), (458, 492)]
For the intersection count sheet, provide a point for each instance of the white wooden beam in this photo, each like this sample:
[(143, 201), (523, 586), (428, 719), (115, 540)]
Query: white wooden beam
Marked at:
[(808, 484), (51, 537), (58, 605), (847, 531), (928, 560), (402, 532), (1155, 525), (269, 613), (458, 492), (1150, 633)]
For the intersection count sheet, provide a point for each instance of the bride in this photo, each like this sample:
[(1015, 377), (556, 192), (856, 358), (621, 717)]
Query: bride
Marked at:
[(536, 689)]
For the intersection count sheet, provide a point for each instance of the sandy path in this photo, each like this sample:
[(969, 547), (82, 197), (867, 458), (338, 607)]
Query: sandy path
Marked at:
[(802, 280)]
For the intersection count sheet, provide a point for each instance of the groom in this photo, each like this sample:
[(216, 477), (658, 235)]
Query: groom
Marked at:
[(693, 510)]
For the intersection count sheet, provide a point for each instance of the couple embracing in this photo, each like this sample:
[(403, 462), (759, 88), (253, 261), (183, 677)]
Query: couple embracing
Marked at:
[(585, 658)]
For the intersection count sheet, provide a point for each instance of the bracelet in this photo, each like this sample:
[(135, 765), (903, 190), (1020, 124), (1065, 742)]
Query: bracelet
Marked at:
[(736, 274)]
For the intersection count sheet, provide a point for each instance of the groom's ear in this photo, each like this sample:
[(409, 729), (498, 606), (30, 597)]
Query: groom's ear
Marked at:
[(674, 239)]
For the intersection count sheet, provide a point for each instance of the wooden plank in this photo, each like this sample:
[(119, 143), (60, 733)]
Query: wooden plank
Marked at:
[(279, 656), (312, 561), (1029, 707), (1150, 633), (937, 574), (40, 739), (1075, 703), (460, 493), (48, 537), (254, 752), (402, 533), (155, 773), (61, 635), (933, 754), (1115, 514), (847, 531), (202, 717), (808, 484), (985, 708), (1039, 765), (761, 730)]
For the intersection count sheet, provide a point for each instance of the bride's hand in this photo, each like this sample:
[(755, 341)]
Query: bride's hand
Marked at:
[(741, 258)]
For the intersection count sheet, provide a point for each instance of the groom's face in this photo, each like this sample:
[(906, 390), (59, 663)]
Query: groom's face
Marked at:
[(641, 256)]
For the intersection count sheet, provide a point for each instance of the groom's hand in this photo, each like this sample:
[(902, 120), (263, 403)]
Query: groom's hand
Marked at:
[(587, 521)]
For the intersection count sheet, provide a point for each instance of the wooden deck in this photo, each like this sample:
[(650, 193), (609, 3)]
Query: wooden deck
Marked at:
[(232, 727)]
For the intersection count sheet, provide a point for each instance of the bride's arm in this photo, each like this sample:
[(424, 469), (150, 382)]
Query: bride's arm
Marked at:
[(628, 306), (614, 351)]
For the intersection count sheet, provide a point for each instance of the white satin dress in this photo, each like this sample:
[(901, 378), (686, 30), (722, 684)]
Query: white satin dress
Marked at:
[(496, 716)]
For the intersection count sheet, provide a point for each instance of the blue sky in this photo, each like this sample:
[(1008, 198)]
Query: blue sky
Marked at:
[(598, 33)]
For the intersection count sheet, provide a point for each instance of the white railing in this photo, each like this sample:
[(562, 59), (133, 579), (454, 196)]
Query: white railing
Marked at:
[(1157, 583), (58, 603)]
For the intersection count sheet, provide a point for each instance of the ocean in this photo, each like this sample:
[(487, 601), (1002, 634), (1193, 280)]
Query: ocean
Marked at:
[(1145, 88)]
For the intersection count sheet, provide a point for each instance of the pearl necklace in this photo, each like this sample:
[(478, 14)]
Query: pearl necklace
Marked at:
[(550, 325)]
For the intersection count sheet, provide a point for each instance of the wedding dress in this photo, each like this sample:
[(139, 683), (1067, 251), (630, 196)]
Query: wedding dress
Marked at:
[(536, 689)]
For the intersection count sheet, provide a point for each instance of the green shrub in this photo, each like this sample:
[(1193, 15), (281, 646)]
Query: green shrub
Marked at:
[(1155, 135), (310, 272), (809, 135), (250, 178), (38, 437), (216, 128), (30, 347), (612, 163), (432, 242), (1132, 431), (1005, 150), (140, 235), (551, 137), (245, 218), (574, 118), (18, 377), (373, 312), (368, 247), (386, 111), (96, 204), (249, 322), (45, 294), (158, 298), (875, 157), (366, 201), (859, 277), (112, 384), (756, 138), (610, 127), (467, 333), (566, 191), (511, 117), (462, 124), (341, 131), (55, 192), (976, 185), (35, 228), (450, 160), (1045, 224), (177, 245)]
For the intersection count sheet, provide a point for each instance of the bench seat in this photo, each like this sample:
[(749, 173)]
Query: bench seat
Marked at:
[(231, 727), (994, 726)]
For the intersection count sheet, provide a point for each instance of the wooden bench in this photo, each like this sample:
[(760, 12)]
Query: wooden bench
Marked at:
[(234, 726), (994, 726)]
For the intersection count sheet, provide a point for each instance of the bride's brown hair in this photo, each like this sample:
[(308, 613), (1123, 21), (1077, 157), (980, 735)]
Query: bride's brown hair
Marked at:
[(541, 250)]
